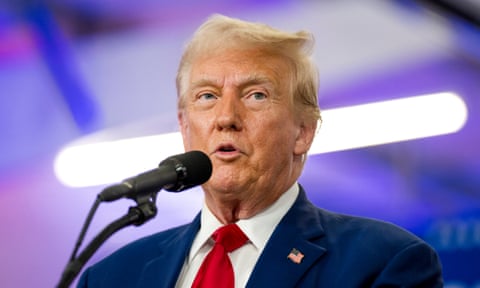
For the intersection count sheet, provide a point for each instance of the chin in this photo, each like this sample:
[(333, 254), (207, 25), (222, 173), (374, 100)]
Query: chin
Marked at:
[(223, 185)]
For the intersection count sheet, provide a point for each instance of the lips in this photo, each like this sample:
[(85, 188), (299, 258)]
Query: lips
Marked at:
[(227, 150)]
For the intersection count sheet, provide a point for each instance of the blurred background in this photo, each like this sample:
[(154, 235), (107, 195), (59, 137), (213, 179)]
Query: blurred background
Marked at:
[(69, 68)]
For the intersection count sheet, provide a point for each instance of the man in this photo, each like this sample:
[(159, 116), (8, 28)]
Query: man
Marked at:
[(247, 97)]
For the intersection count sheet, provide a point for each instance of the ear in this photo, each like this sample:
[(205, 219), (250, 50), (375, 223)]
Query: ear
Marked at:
[(305, 136)]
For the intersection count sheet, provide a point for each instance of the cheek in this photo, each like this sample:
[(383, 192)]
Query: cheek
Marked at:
[(186, 131), (194, 131), (276, 136)]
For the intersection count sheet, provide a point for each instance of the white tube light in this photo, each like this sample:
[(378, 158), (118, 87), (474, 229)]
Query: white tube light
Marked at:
[(112, 161), (80, 165), (390, 121)]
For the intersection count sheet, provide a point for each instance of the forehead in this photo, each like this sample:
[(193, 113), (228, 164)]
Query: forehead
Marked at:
[(239, 67)]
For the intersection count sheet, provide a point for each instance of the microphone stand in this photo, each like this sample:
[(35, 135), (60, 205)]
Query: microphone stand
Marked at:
[(136, 215)]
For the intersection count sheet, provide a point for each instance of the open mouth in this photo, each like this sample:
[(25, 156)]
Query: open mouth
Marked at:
[(226, 148)]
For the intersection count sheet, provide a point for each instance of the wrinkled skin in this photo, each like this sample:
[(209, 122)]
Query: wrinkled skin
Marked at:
[(238, 110)]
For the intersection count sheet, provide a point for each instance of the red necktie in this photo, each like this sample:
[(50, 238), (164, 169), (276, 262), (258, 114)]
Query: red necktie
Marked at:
[(216, 269)]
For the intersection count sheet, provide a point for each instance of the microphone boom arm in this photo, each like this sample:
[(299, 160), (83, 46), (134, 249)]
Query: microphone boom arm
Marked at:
[(136, 215), (174, 174)]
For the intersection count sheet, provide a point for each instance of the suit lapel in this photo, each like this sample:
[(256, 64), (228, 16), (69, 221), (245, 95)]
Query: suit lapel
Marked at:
[(299, 229), (172, 251)]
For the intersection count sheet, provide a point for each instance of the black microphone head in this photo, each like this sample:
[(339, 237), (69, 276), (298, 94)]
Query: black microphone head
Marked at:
[(193, 168)]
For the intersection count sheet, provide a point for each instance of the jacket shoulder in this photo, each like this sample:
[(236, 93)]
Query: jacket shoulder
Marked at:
[(126, 264), (371, 230)]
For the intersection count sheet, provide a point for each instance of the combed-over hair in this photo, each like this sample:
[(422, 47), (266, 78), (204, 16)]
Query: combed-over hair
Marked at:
[(220, 33)]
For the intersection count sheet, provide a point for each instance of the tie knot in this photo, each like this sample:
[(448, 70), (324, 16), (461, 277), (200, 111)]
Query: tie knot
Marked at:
[(230, 237)]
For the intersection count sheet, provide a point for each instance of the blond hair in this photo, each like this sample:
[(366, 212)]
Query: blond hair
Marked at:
[(221, 32)]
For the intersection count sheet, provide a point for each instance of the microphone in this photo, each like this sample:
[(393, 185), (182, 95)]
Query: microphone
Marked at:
[(174, 174)]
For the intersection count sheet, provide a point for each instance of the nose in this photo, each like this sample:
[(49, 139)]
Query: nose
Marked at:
[(228, 112)]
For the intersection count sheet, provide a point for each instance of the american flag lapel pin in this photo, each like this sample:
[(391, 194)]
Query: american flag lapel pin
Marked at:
[(295, 256)]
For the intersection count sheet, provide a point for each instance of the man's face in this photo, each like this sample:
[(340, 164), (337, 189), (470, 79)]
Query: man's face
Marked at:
[(238, 110)]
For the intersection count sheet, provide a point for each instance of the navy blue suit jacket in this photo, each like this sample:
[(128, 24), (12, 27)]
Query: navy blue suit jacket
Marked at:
[(339, 251)]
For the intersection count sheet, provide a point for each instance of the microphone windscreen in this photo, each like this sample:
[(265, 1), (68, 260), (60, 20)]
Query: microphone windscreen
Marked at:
[(193, 168)]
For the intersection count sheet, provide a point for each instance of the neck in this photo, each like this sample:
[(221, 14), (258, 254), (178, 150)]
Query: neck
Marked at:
[(243, 201), (231, 210)]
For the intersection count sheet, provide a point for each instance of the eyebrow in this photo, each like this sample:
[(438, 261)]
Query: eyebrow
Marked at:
[(243, 82)]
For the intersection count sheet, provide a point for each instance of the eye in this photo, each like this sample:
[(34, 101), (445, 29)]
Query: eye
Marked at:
[(256, 100), (205, 100), (259, 96), (207, 96)]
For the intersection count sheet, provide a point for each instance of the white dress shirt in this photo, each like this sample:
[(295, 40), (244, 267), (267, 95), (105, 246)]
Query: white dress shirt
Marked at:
[(258, 229)]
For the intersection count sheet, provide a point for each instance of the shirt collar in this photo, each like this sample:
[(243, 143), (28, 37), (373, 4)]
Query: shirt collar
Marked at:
[(258, 228)]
